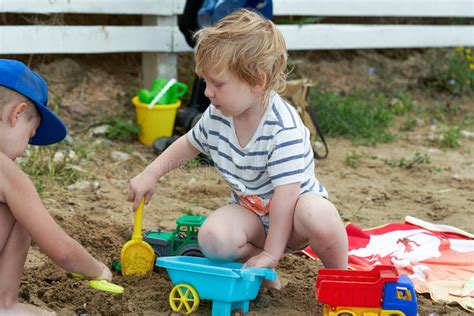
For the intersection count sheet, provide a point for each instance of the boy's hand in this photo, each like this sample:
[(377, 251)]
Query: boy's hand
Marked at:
[(106, 274), (262, 260), (142, 186)]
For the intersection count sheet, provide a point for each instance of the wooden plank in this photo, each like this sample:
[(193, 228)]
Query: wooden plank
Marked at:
[(139, 7), (370, 8), (159, 65), (326, 36), (355, 36), (406, 8), (84, 39)]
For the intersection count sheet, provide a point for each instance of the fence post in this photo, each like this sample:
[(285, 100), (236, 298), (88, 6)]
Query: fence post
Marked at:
[(162, 65)]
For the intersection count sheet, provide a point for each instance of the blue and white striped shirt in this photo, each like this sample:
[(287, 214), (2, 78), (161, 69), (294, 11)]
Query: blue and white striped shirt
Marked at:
[(279, 152)]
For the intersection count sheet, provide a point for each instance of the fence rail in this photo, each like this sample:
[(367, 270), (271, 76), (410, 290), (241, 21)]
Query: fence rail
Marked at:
[(159, 39)]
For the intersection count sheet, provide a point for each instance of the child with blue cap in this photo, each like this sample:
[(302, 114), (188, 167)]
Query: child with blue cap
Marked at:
[(25, 118)]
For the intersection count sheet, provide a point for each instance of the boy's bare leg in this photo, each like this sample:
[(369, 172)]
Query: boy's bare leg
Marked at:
[(233, 233), (14, 245), (318, 223)]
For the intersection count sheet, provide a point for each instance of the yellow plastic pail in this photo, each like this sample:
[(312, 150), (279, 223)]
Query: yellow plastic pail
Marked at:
[(155, 122)]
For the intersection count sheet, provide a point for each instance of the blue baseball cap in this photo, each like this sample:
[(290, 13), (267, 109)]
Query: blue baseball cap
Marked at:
[(16, 76)]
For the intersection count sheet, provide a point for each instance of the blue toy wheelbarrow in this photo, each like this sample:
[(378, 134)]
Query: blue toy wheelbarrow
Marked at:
[(225, 283)]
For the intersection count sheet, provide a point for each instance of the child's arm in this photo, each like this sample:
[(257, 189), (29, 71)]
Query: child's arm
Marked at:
[(21, 198), (143, 185), (282, 209)]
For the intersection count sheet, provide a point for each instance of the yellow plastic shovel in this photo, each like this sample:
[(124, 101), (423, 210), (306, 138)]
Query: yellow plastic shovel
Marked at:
[(137, 256), (101, 285)]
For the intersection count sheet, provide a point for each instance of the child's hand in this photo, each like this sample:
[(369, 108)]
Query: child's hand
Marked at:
[(262, 260), (141, 186), (106, 274)]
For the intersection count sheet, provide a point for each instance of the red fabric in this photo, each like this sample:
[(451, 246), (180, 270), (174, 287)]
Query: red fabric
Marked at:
[(438, 261)]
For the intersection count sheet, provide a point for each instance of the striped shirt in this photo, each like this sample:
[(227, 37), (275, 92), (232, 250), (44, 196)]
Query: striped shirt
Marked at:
[(279, 152)]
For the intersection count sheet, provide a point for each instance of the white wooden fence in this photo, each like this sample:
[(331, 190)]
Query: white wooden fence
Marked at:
[(158, 38)]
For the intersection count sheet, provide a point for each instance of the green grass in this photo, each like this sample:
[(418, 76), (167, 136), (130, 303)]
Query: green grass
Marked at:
[(363, 117), (451, 71), (409, 124), (354, 158), (121, 127), (417, 159), (43, 170), (40, 164), (450, 138), (189, 211)]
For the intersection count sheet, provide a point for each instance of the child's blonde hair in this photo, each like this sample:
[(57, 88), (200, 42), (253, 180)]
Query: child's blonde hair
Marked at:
[(247, 45), (7, 96)]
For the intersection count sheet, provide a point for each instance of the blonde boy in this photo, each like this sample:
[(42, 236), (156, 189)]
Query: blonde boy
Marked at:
[(259, 144)]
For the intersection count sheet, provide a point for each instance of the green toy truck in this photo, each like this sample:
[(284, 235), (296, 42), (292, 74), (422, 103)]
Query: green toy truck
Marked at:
[(180, 242)]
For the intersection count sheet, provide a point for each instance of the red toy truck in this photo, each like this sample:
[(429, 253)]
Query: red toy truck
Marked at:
[(378, 292)]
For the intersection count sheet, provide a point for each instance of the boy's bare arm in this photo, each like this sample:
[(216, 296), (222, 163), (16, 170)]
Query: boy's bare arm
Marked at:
[(177, 154), (19, 194), (282, 209)]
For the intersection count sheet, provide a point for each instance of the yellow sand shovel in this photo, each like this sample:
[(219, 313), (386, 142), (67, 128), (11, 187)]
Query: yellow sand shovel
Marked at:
[(137, 256), (101, 285)]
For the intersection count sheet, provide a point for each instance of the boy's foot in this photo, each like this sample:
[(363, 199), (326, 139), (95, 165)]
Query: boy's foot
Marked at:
[(275, 284), (25, 309)]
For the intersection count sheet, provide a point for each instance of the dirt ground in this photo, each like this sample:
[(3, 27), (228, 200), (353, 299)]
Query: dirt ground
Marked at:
[(84, 88)]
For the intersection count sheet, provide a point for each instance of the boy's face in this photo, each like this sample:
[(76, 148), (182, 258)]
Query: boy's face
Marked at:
[(230, 95), (16, 129)]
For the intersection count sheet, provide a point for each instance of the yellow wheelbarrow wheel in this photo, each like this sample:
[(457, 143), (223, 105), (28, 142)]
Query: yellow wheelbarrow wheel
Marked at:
[(184, 296)]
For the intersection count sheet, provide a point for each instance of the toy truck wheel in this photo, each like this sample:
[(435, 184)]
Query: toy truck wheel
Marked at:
[(184, 298), (193, 253), (190, 251)]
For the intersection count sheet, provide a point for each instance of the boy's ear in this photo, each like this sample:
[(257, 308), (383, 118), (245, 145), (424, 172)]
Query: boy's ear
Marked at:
[(16, 111), (260, 83)]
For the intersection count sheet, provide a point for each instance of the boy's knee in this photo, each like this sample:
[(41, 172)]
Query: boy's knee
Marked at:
[(216, 242), (318, 217), (210, 239)]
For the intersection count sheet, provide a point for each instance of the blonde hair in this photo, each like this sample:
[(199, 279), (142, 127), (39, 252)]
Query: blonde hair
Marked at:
[(248, 46), (8, 96)]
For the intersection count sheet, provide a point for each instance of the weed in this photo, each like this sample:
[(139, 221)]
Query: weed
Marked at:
[(401, 103), (363, 117), (121, 127), (188, 211), (409, 124), (199, 160), (353, 159), (452, 71), (436, 169), (417, 159), (450, 137), (56, 104), (192, 164), (57, 163), (40, 165)]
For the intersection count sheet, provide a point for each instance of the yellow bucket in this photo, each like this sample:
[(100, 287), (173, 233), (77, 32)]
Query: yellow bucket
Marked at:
[(155, 122)]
